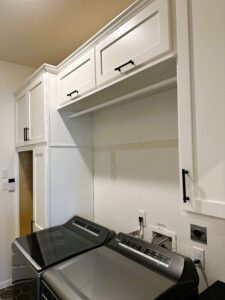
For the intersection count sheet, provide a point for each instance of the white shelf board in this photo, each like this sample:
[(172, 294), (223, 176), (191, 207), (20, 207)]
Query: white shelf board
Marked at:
[(151, 80)]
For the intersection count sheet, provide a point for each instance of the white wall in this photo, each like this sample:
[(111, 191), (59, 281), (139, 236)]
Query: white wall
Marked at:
[(11, 76), (127, 179)]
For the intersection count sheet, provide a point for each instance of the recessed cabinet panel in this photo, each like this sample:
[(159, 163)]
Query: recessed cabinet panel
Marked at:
[(37, 111), (39, 188), (142, 39), (22, 117), (201, 109), (78, 78)]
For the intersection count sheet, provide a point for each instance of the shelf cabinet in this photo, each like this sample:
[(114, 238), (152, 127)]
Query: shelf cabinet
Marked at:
[(31, 113), (201, 105), (77, 78), (140, 40)]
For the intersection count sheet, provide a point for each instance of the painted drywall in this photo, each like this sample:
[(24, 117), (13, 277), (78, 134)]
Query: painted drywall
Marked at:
[(144, 174), (11, 76)]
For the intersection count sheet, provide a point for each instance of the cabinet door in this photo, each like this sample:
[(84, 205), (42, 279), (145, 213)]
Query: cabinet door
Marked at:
[(142, 39), (37, 109), (78, 78), (22, 119), (40, 188), (201, 104)]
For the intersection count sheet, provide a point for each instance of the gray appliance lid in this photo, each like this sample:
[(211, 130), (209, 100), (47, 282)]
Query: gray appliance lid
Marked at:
[(104, 274)]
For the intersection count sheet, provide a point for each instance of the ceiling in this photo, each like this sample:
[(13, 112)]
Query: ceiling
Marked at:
[(33, 32)]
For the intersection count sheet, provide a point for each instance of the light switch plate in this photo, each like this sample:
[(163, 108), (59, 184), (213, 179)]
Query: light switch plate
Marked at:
[(4, 173)]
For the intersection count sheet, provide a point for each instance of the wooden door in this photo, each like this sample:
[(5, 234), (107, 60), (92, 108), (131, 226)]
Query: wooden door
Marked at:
[(25, 192)]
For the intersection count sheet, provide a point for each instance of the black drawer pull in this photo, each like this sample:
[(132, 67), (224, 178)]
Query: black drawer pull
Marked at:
[(185, 198), (70, 94), (127, 63)]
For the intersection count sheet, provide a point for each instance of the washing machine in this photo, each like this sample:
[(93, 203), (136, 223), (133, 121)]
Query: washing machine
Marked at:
[(125, 269), (36, 252)]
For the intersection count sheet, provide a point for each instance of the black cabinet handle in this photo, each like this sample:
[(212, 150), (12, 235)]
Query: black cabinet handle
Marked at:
[(27, 134), (70, 94), (185, 198), (127, 63), (24, 134)]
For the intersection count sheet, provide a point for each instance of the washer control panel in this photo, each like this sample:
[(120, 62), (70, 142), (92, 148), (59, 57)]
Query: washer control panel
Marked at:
[(158, 256), (147, 253)]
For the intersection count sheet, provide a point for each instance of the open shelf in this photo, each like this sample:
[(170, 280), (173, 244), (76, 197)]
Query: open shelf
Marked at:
[(148, 81)]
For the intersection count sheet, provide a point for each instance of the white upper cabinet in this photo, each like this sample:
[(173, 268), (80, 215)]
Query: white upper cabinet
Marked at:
[(37, 106), (201, 104), (22, 117), (77, 78), (31, 113), (142, 39)]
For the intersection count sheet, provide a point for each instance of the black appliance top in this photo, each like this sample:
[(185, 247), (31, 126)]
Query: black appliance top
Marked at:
[(50, 246), (126, 268)]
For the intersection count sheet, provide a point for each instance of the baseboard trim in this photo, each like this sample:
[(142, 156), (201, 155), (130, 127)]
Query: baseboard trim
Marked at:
[(6, 283)]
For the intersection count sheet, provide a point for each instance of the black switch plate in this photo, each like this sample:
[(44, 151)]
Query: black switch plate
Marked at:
[(199, 233)]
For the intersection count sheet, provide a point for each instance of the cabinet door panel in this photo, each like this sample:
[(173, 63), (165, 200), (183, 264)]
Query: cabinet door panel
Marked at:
[(80, 76), (143, 38), (21, 117), (39, 188), (37, 108), (201, 94)]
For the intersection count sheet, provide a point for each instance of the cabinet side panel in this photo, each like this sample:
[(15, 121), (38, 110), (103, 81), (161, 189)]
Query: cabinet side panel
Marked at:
[(71, 184)]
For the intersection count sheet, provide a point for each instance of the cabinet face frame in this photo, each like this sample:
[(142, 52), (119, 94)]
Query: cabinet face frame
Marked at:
[(162, 9), (186, 98), (82, 86)]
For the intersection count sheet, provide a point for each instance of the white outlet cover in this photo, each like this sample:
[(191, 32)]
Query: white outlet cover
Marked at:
[(142, 213), (199, 253)]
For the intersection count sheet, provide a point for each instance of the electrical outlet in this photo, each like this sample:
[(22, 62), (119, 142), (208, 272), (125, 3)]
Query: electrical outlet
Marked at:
[(199, 253), (142, 214)]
